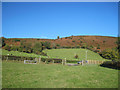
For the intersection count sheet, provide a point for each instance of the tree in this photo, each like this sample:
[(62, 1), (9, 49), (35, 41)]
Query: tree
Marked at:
[(104, 41), (54, 45), (77, 46), (25, 47), (80, 41), (37, 48), (3, 42), (46, 45), (16, 40), (58, 37), (14, 48), (66, 37), (20, 49), (110, 54), (91, 47), (7, 47), (98, 46), (76, 56), (58, 45), (84, 45), (73, 40), (118, 47)]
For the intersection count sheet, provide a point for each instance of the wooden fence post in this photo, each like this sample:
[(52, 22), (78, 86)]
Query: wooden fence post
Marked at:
[(95, 62), (62, 61), (89, 61), (65, 61), (82, 62), (7, 58), (45, 61), (39, 59)]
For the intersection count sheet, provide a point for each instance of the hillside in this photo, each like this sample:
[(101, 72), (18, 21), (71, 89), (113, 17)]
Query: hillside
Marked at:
[(17, 53), (69, 54), (104, 42)]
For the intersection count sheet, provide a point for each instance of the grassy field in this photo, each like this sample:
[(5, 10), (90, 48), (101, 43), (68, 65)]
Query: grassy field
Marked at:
[(16, 53), (70, 53), (60, 53), (19, 75)]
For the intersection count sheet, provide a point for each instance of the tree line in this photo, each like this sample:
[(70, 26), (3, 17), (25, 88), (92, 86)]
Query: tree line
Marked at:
[(28, 47)]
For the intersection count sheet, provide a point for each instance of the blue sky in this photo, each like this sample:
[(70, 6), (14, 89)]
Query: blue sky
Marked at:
[(50, 19)]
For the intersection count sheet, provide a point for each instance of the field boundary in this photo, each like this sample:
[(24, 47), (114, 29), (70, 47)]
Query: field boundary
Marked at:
[(51, 60)]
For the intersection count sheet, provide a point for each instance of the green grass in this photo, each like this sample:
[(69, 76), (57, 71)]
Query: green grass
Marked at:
[(19, 75), (16, 53), (60, 53), (70, 53)]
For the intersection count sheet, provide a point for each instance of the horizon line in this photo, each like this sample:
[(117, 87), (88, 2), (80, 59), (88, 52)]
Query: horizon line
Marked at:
[(54, 38)]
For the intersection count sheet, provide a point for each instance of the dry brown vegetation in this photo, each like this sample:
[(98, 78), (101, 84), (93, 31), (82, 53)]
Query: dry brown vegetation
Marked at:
[(104, 42)]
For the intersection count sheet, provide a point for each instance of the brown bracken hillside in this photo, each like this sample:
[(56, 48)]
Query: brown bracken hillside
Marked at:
[(104, 42)]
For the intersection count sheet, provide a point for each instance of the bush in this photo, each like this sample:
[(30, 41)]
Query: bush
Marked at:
[(66, 37), (76, 56), (111, 64), (3, 42), (70, 37), (90, 48), (20, 49), (37, 48), (72, 47), (98, 46), (21, 58), (77, 46), (96, 51), (66, 47), (46, 45), (80, 41), (7, 47), (73, 41), (14, 48), (17, 40), (42, 53), (104, 41), (84, 45), (110, 54), (58, 45)]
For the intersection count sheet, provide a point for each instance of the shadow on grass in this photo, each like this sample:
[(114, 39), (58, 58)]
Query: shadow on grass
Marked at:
[(111, 64)]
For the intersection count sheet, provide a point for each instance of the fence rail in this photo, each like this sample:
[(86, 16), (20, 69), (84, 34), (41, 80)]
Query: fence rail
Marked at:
[(94, 62)]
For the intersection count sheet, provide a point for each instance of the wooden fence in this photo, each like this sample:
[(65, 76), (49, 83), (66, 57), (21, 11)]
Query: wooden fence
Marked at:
[(49, 60), (94, 62)]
